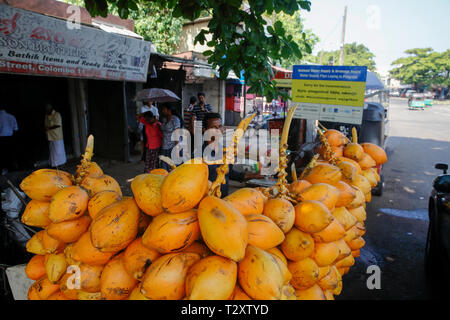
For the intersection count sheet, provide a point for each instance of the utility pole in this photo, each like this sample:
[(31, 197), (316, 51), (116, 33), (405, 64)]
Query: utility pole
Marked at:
[(321, 55), (341, 55)]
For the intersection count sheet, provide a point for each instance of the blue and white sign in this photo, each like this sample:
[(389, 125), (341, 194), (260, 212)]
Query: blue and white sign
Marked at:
[(329, 93)]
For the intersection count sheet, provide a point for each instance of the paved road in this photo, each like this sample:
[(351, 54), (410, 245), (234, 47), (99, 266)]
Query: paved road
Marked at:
[(397, 221)]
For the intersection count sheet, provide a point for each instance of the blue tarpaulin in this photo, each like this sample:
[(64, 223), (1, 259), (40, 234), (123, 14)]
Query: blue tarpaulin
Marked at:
[(373, 82)]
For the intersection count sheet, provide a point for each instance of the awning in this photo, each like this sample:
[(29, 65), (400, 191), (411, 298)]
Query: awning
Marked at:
[(200, 69), (189, 62), (114, 29)]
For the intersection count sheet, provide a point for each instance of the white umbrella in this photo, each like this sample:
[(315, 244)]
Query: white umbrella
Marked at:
[(156, 95)]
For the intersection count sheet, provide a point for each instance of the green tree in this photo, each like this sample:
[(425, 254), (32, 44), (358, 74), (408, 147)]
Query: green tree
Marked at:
[(354, 55), (422, 66), (304, 38), (239, 41), (158, 26)]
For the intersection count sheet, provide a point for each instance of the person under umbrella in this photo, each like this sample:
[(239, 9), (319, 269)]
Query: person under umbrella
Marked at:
[(170, 123), (147, 106), (154, 140)]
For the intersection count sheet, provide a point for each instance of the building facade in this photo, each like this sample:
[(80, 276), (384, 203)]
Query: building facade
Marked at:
[(88, 71)]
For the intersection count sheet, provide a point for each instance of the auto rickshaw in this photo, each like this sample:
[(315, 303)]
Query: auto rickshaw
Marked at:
[(428, 102), (416, 101)]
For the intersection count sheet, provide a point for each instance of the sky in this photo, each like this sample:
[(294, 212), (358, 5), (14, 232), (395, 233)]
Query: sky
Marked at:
[(386, 27)]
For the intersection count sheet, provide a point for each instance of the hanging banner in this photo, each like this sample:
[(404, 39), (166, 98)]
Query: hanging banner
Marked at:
[(35, 44), (329, 93)]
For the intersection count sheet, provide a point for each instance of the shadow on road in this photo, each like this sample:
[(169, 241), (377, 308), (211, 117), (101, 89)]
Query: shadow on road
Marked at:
[(410, 172), (397, 223)]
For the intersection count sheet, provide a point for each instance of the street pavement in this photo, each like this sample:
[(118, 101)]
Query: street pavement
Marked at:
[(397, 221)]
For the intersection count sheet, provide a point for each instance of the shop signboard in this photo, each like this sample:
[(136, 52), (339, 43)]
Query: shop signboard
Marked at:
[(283, 79), (329, 93), (36, 44)]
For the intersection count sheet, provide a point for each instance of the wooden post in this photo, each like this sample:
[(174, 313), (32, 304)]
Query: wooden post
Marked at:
[(82, 109), (126, 146), (73, 103)]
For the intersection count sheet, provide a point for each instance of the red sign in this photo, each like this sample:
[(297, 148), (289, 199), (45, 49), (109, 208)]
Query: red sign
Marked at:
[(283, 75)]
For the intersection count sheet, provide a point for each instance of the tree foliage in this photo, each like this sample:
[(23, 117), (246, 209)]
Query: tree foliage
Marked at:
[(241, 39), (354, 55), (423, 66), (158, 26), (305, 38)]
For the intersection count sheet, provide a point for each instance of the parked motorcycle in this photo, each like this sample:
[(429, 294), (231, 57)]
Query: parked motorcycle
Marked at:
[(13, 234), (437, 250)]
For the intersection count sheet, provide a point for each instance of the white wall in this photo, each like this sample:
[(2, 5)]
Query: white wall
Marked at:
[(212, 92), (188, 34)]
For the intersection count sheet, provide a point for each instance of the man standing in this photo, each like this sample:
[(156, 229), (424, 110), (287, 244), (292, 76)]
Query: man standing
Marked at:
[(8, 125), (53, 127), (201, 108)]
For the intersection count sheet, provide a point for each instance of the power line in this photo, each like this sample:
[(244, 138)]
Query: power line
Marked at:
[(323, 42)]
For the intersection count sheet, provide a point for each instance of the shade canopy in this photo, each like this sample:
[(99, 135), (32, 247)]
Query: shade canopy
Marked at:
[(156, 95), (373, 82)]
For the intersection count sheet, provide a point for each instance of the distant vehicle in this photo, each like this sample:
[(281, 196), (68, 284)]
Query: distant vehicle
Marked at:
[(409, 93), (416, 101), (394, 93), (437, 249), (428, 98)]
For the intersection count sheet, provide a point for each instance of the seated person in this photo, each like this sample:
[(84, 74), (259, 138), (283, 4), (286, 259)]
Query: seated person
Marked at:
[(214, 121)]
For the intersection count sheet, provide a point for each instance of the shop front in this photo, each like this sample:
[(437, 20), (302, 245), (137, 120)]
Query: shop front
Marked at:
[(84, 72)]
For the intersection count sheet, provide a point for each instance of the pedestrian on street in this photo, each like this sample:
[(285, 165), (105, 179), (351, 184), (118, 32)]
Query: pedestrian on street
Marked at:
[(147, 106), (53, 128), (8, 125), (201, 108), (170, 123), (154, 140)]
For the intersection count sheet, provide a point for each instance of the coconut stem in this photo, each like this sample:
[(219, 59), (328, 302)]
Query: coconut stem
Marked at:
[(354, 135), (322, 126), (83, 167), (293, 172), (329, 153), (282, 191), (168, 161), (229, 153)]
